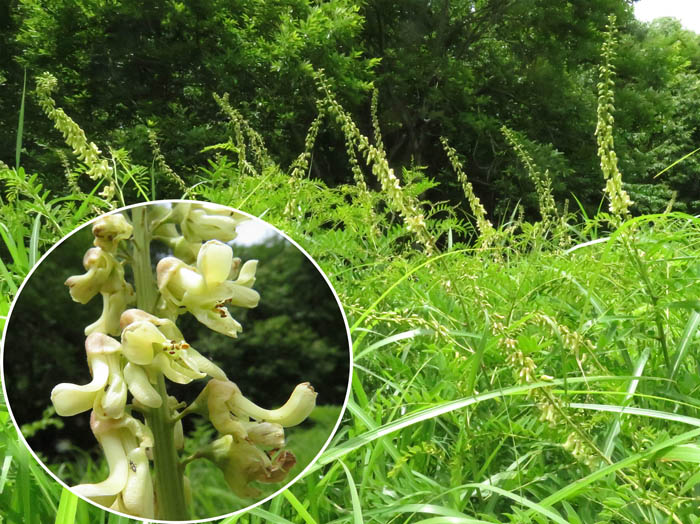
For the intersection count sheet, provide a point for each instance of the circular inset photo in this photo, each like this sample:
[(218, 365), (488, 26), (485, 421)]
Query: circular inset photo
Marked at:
[(176, 361)]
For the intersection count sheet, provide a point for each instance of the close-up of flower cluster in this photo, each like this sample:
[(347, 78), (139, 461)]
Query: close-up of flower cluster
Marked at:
[(136, 345)]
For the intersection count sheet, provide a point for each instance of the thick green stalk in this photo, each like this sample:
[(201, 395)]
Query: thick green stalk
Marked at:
[(170, 493), (146, 291)]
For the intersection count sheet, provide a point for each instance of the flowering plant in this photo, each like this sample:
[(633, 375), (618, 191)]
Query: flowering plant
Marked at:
[(135, 345)]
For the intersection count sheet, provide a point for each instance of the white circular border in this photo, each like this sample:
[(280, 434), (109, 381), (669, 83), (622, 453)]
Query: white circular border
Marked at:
[(209, 519)]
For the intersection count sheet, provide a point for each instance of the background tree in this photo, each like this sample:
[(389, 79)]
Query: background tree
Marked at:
[(455, 68)]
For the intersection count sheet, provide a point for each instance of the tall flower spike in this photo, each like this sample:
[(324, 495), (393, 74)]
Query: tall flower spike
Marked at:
[(204, 290), (103, 360)]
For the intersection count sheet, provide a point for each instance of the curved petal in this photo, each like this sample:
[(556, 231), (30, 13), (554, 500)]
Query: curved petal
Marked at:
[(218, 395), (118, 469), (199, 362), (113, 400), (140, 387), (214, 262), (137, 496), (218, 319), (174, 371), (139, 339), (299, 406), (247, 275), (71, 399), (241, 296)]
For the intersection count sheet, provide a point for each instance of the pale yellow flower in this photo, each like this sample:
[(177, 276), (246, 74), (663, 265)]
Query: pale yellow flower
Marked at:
[(205, 290)]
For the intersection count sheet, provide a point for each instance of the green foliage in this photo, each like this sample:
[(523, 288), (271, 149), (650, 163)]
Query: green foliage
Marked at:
[(549, 375), (454, 69)]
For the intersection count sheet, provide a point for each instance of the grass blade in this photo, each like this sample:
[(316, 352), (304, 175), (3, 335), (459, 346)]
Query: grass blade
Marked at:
[(20, 124), (67, 508), (436, 410), (691, 328), (576, 487), (34, 241), (6, 276), (299, 507), (390, 340), (520, 500), (615, 428), (17, 252), (354, 498), (683, 419), (676, 162), (374, 304), (682, 453)]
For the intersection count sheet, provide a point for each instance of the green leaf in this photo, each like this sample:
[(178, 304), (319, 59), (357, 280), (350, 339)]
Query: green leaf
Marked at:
[(67, 508), (691, 329)]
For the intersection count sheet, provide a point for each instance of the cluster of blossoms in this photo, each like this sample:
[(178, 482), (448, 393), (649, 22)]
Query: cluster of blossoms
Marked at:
[(88, 153), (130, 351)]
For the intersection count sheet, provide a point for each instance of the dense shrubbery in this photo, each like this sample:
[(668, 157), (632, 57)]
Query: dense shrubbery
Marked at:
[(455, 69)]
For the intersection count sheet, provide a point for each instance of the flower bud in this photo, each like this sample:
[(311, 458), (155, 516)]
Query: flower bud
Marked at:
[(108, 230), (203, 222)]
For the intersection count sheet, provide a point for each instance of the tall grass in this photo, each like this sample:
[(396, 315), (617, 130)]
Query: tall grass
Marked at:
[(520, 373)]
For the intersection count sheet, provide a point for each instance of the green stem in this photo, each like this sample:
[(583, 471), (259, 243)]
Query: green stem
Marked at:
[(170, 492), (146, 291)]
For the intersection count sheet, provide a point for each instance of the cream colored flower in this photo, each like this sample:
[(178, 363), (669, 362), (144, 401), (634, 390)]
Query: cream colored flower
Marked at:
[(109, 230), (158, 344), (106, 393), (100, 266), (229, 411), (128, 487), (105, 275), (205, 290), (243, 463), (203, 221)]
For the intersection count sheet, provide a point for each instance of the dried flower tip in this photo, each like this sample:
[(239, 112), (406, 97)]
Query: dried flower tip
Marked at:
[(109, 230)]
